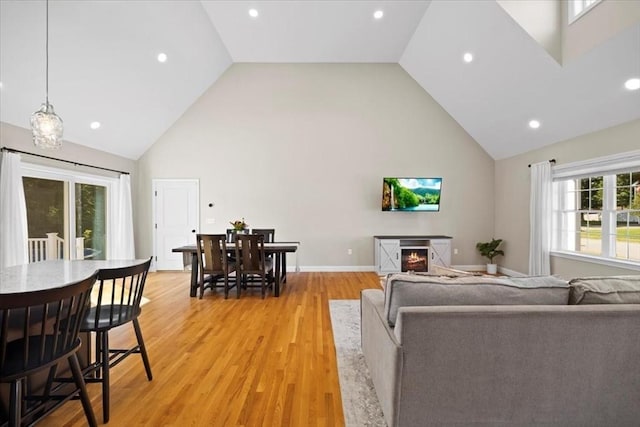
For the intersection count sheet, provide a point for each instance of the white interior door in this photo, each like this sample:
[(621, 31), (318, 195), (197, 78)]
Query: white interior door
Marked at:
[(176, 219)]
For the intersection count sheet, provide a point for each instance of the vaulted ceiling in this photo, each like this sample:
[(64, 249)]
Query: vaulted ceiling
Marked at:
[(103, 64)]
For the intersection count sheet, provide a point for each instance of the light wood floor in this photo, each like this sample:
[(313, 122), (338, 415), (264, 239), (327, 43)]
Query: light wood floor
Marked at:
[(235, 362)]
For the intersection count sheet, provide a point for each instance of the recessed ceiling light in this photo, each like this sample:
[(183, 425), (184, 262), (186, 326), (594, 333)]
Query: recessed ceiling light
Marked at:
[(1, 85), (162, 57), (95, 125), (253, 13), (534, 124), (378, 14), (632, 84), (467, 57)]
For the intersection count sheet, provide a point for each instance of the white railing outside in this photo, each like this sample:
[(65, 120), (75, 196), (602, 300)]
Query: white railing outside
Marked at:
[(50, 247), (79, 247)]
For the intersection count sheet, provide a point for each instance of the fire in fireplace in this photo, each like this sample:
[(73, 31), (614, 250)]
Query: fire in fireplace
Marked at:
[(414, 259)]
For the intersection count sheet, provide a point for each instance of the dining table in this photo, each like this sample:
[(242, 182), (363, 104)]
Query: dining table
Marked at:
[(53, 274), (278, 249)]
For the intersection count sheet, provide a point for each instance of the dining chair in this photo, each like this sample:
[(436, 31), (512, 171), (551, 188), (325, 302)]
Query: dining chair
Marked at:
[(268, 233), (251, 261), (39, 330), (118, 295), (214, 263), (232, 233)]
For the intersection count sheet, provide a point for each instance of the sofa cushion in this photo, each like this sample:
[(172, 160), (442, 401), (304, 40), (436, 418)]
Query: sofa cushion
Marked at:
[(540, 282), (404, 290), (605, 290)]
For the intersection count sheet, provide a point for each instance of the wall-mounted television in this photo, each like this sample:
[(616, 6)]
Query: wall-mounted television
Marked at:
[(411, 194)]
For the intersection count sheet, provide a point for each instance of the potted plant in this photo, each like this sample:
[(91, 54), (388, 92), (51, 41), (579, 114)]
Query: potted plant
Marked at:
[(239, 225), (490, 250)]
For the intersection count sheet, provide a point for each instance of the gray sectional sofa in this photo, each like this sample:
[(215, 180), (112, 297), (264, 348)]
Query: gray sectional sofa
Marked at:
[(477, 351)]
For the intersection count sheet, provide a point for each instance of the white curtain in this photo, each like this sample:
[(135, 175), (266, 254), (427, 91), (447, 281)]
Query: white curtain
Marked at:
[(122, 244), (14, 233), (540, 219)]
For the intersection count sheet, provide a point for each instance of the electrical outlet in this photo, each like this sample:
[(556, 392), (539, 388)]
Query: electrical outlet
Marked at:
[(349, 251), (455, 251)]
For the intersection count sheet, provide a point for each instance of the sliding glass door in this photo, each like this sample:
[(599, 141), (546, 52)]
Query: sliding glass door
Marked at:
[(46, 218), (91, 219), (67, 214)]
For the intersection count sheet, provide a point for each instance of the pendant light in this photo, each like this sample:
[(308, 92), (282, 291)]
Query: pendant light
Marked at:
[(46, 126)]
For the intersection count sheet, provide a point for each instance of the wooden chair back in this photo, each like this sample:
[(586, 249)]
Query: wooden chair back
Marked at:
[(250, 254), (40, 328), (268, 233), (38, 331), (232, 233), (212, 254), (117, 297)]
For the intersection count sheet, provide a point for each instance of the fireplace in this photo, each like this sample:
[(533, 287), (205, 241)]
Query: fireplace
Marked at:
[(414, 259)]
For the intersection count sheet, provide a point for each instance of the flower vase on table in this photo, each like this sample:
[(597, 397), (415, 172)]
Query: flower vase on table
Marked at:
[(240, 226)]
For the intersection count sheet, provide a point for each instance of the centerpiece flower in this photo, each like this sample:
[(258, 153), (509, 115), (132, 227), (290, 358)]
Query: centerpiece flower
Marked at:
[(239, 225)]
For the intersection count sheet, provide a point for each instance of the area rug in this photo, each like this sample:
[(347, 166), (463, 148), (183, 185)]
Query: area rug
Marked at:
[(359, 401)]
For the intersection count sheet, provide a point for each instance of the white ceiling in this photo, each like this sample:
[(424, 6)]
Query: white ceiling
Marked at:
[(103, 64), (315, 31)]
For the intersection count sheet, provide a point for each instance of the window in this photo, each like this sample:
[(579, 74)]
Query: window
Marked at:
[(596, 209), (578, 8), (91, 219), (67, 213)]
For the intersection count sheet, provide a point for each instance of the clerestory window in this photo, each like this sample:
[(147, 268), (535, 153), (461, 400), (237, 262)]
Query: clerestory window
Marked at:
[(578, 8)]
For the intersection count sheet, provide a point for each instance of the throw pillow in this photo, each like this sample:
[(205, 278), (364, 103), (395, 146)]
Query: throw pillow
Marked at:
[(605, 290)]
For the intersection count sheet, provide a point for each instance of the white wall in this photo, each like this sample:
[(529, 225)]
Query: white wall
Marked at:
[(512, 186), (541, 19), (303, 148)]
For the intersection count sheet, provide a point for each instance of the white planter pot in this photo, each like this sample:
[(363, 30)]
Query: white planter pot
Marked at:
[(492, 268)]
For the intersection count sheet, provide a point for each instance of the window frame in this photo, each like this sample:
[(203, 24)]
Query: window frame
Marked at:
[(608, 167), (71, 178)]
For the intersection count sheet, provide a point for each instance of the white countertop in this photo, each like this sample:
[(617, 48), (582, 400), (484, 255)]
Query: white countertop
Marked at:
[(53, 274)]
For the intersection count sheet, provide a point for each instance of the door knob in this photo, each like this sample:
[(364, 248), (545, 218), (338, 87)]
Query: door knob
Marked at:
[(193, 231)]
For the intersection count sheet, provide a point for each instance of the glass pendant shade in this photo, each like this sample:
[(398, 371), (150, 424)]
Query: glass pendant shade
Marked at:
[(46, 127)]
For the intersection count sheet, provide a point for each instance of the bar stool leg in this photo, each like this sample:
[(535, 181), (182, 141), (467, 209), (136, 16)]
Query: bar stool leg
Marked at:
[(15, 402), (143, 350), (105, 374), (84, 396)]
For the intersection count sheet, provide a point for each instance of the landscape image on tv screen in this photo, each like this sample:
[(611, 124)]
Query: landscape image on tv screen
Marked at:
[(411, 194)]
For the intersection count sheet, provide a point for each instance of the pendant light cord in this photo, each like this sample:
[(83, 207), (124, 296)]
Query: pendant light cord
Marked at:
[(47, 57)]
